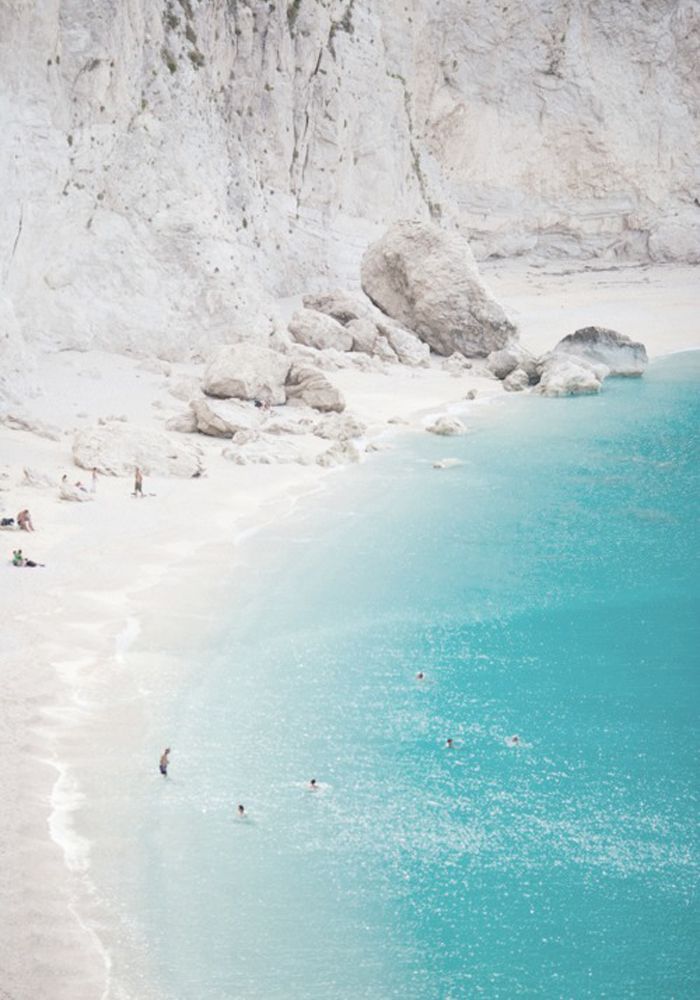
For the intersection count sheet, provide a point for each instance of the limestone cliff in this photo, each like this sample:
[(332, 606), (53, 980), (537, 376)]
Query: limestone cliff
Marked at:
[(168, 165)]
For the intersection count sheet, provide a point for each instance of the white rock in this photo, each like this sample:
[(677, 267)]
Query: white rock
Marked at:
[(315, 329), (367, 339), (457, 364), (40, 480), (73, 494), (183, 423), (407, 347), (246, 371), (255, 448), (341, 453), (502, 363), (427, 280), (116, 451), (516, 381), (569, 376), (311, 387), (223, 419), (447, 426), (340, 427), (186, 388), (601, 346), (17, 422)]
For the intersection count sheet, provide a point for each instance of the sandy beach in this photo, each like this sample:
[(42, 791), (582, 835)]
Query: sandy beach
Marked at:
[(123, 573)]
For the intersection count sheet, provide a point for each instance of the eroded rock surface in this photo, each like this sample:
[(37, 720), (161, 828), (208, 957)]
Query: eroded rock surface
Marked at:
[(599, 345), (246, 371), (117, 449), (427, 280)]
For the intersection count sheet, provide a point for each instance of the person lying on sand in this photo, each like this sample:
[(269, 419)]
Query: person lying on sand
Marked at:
[(164, 761), (24, 521), (19, 560)]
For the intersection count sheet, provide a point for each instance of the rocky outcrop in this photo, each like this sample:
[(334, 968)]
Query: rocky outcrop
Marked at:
[(183, 423), (340, 427), (19, 422), (258, 448), (341, 453), (447, 426), (223, 419), (116, 451), (516, 381), (366, 339), (310, 386), (36, 478), (315, 329), (409, 349), (246, 371), (598, 345), (564, 376), (427, 280)]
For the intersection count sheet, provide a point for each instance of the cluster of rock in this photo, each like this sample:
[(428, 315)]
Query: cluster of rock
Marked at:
[(577, 365)]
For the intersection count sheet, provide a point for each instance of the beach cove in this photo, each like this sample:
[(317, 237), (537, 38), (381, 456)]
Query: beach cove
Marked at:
[(131, 603)]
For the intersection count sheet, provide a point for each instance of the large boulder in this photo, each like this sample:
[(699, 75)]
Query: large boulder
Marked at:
[(409, 349), (605, 347), (516, 381), (427, 280), (310, 386), (569, 376), (342, 306), (223, 419), (246, 371), (117, 449), (315, 329), (367, 339)]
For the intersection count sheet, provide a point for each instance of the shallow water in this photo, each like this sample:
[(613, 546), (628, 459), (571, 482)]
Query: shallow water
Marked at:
[(547, 588)]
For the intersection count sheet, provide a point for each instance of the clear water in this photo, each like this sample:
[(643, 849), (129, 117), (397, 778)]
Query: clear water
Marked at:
[(547, 587)]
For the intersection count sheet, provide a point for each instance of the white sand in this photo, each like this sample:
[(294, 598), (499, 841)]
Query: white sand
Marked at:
[(119, 567)]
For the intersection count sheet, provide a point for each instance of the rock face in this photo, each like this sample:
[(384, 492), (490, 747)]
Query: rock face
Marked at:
[(310, 386), (186, 174), (117, 450), (606, 347), (516, 381), (315, 329), (447, 426), (246, 371), (426, 279)]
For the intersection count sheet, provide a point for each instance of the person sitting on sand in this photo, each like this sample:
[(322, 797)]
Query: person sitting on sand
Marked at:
[(241, 810), (24, 521), (19, 560), (164, 761), (138, 482)]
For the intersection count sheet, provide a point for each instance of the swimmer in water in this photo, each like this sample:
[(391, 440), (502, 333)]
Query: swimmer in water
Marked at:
[(313, 785), (241, 810), (420, 676), (514, 741), (164, 761), (449, 743)]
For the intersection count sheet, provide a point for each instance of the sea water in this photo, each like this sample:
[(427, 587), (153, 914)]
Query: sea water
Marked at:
[(547, 588)]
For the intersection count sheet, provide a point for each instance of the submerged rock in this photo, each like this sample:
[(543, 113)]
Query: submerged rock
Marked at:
[(599, 345), (447, 426), (427, 280)]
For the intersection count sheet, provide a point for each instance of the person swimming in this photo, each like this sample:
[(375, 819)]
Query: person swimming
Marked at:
[(313, 785), (513, 741), (449, 743), (420, 676), (241, 810), (164, 761)]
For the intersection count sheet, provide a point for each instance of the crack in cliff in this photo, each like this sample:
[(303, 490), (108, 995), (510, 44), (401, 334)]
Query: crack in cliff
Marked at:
[(433, 207)]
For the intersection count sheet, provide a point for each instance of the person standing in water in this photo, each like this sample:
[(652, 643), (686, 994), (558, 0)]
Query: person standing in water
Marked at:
[(138, 482), (449, 743), (164, 761), (313, 785), (241, 810)]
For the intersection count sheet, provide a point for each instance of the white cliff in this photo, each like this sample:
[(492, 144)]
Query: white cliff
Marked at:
[(169, 167)]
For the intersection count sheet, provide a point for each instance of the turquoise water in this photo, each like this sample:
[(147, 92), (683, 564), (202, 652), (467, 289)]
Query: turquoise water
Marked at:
[(547, 587)]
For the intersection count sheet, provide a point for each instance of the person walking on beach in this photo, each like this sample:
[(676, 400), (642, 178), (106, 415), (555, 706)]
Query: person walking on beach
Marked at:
[(138, 482), (164, 761), (93, 488)]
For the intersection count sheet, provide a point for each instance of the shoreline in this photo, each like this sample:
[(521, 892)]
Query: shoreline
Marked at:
[(104, 607)]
